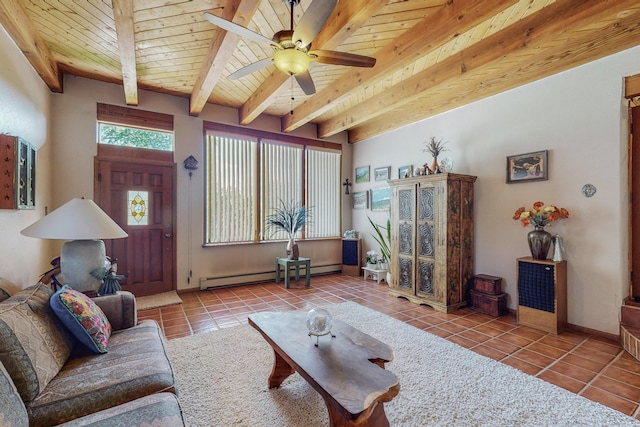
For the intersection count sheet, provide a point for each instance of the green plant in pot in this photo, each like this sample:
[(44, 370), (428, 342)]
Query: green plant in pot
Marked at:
[(383, 239), (291, 219)]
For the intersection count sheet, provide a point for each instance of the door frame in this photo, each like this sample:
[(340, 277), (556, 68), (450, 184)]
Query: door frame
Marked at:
[(141, 156)]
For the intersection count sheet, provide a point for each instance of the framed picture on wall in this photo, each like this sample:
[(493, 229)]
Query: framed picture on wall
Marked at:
[(405, 171), (362, 174), (381, 199), (527, 167), (360, 200), (382, 174)]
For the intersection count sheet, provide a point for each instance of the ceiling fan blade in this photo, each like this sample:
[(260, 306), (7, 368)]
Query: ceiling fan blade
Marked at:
[(237, 29), (306, 82), (342, 58), (312, 21), (246, 70)]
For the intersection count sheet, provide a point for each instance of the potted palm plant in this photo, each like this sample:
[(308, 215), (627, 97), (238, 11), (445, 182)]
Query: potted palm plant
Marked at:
[(383, 240), (289, 218)]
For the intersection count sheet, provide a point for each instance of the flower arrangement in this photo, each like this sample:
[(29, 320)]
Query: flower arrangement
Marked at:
[(372, 257), (540, 215)]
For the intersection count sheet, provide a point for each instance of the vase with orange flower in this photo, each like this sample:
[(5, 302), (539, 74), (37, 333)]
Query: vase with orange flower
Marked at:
[(540, 216)]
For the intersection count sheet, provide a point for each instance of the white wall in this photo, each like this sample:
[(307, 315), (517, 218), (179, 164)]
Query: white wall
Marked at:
[(24, 112), (74, 139), (580, 117)]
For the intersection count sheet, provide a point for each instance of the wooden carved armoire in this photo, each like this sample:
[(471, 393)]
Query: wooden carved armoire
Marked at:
[(432, 249)]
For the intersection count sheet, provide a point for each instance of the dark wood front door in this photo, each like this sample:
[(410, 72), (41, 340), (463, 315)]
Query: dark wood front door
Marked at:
[(137, 192)]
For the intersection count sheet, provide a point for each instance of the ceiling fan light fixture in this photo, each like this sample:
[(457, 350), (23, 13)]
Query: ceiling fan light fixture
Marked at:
[(291, 61)]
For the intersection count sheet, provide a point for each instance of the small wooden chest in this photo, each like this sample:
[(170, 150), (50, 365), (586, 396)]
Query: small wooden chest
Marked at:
[(487, 284), (494, 305)]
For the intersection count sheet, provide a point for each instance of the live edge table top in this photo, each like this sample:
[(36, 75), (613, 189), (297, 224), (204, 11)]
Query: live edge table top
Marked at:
[(348, 370)]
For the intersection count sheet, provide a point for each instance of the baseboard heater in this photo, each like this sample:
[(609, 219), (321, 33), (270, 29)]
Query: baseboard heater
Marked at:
[(262, 276)]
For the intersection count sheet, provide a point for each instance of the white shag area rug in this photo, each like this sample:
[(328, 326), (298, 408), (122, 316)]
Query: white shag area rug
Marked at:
[(222, 381), (158, 300)]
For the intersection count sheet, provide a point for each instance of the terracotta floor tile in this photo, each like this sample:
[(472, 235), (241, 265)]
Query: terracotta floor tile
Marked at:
[(604, 347), (435, 330), (546, 350), (610, 400), (583, 362), (501, 326), (558, 342), (182, 321), (503, 346), (489, 352), (623, 376), (526, 367), (474, 335), (627, 362), (465, 322), (488, 330), (527, 332), (533, 357), (516, 339), (616, 387), (451, 327), (573, 371), (461, 341), (589, 353), (560, 380)]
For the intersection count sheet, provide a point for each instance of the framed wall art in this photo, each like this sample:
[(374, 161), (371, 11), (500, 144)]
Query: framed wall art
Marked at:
[(527, 167), (362, 174), (360, 200), (382, 174), (405, 171), (381, 199)]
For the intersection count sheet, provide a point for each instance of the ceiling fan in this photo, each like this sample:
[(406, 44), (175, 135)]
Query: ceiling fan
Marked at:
[(293, 52)]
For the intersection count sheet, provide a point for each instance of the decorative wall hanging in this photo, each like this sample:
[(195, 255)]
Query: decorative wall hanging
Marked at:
[(405, 171), (18, 174), (362, 174), (382, 174), (381, 199), (360, 200), (527, 167)]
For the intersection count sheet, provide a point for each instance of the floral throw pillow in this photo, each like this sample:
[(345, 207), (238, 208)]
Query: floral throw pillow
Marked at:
[(82, 317)]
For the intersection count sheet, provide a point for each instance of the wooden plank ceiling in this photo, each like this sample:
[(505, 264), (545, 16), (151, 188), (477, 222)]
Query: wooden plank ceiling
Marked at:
[(432, 55)]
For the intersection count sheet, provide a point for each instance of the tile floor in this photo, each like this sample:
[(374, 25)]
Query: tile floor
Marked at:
[(594, 367)]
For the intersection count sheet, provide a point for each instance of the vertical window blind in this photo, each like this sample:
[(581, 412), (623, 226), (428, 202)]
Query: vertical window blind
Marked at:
[(231, 189), (281, 167), (323, 192)]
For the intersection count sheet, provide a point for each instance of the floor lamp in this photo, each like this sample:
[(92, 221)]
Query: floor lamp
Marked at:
[(84, 224)]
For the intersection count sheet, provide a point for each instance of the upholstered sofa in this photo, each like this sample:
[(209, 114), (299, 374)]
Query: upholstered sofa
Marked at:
[(48, 378)]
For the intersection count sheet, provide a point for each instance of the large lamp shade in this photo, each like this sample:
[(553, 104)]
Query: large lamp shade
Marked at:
[(85, 224)]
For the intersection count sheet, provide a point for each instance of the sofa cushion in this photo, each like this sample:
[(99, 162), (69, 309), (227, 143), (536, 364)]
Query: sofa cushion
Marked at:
[(135, 366), (33, 343), (162, 409), (3, 295), (82, 317), (12, 410)]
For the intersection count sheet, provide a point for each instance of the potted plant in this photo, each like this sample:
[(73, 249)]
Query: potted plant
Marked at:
[(290, 218), (383, 240), (372, 260)]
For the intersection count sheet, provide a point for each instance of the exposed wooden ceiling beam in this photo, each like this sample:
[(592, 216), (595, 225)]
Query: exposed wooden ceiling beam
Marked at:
[(16, 22), (544, 35), (346, 19), (123, 17), (452, 19), (220, 51), (549, 20)]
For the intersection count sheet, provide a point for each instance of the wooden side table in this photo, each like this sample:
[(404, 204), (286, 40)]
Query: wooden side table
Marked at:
[(288, 263), (375, 274)]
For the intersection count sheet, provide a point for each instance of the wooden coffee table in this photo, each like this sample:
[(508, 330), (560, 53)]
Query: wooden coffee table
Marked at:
[(348, 370)]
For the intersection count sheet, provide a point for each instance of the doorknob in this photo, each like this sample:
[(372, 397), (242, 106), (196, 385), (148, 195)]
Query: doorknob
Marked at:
[(167, 235)]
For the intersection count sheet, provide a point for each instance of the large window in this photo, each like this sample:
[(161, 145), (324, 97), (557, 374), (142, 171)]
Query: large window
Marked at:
[(249, 173)]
